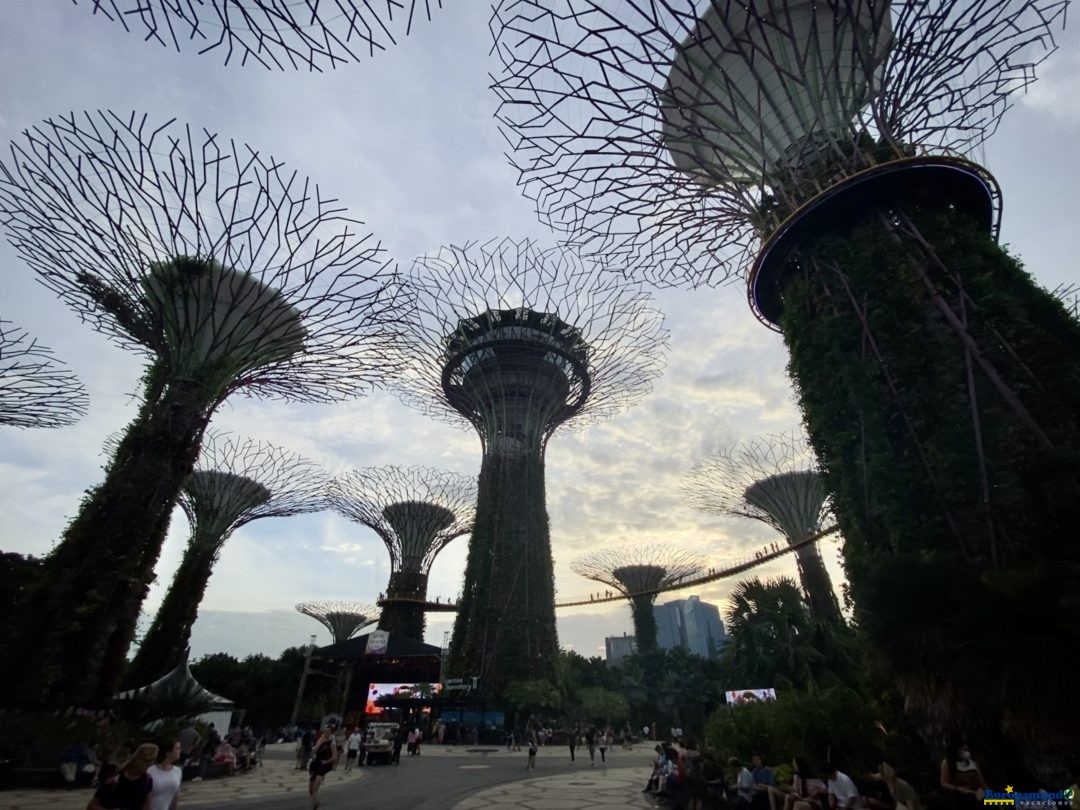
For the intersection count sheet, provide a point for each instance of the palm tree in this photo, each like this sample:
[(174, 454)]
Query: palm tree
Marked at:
[(770, 634)]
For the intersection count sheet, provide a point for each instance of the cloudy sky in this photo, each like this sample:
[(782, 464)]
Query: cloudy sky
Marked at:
[(408, 143)]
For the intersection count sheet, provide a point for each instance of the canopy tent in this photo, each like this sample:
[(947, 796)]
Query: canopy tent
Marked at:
[(178, 694)]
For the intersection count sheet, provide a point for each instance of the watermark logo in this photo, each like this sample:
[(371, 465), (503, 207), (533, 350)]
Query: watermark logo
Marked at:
[(1015, 798)]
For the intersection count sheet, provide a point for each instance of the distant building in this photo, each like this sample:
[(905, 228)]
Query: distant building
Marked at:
[(618, 647), (692, 624)]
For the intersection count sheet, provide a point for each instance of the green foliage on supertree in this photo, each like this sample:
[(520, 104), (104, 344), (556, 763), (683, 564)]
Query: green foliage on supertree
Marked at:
[(958, 494), (516, 515)]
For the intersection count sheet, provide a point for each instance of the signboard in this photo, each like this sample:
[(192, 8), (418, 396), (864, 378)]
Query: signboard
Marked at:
[(460, 685), (377, 641), (739, 696)]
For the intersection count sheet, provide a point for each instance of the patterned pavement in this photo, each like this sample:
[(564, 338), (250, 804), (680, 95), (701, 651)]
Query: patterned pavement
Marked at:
[(602, 788)]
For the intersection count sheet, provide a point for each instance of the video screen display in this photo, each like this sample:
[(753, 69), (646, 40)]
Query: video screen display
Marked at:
[(737, 697), (398, 690)]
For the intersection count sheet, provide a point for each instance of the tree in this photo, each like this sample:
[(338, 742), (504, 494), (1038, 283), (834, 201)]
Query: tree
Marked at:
[(533, 696), (770, 635), (603, 705)]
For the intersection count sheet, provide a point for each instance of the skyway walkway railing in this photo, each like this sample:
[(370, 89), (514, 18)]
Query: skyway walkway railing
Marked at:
[(713, 574)]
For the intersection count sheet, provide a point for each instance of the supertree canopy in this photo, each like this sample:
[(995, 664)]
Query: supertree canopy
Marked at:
[(34, 390), (343, 619), (517, 342), (638, 572), (275, 34), (820, 151), (681, 134), (416, 511), (774, 480), (234, 482), (230, 274)]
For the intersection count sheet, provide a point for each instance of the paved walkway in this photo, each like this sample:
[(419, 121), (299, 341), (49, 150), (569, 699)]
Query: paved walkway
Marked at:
[(601, 788), (442, 778), (276, 777)]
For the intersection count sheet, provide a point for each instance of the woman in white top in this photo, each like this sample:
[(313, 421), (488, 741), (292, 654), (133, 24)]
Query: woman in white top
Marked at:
[(166, 776), (603, 739)]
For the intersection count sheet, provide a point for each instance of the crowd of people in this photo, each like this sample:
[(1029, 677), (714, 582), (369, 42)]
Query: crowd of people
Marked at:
[(148, 776), (679, 780)]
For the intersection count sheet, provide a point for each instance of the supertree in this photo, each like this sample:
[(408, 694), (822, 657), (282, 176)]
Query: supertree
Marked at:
[(276, 34), (416, 511), (34, 390), (774, 480), (518, 341), (235, 481), (638, 572), (230, 274), (343, 619), (819, 150)]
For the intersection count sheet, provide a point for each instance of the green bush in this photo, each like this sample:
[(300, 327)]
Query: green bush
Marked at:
[(835, 724)]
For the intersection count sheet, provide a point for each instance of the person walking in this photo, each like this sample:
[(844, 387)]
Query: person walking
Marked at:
[(590, 741), (531, 765), (323, 757), (306, 743), (352, 748), (396, 756), (602, 743), (129, 787), (165, 777), (575, 732)]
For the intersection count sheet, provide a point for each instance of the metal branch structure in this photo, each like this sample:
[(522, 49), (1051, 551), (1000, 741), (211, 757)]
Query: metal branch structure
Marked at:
[(774, 480), (639, 572), (35, 391), (314, 35), (235, 482), (343, 619), (823, 152), (417, 512), (678, 135), (519, 342), (231, 274), (1069, 296)]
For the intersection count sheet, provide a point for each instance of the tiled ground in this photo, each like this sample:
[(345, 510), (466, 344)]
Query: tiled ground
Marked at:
[(611, 788), (275, 778)]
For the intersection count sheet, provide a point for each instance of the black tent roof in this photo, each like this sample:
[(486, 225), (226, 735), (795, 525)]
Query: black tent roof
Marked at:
[(397, 646)]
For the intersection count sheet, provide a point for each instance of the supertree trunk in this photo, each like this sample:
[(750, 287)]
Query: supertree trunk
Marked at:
[(941, 389), (405, 618), (113, 543), (644, 622), (506, 617), (164, 644), (817, 584)]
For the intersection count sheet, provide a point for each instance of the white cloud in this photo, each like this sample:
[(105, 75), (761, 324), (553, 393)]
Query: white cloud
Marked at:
[(1057, 92)]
